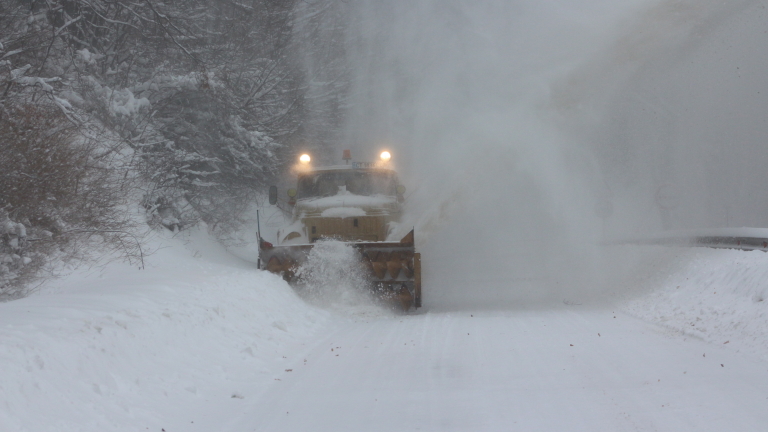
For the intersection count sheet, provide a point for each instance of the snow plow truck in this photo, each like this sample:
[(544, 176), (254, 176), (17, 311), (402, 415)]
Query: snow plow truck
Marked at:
[(358, 203)]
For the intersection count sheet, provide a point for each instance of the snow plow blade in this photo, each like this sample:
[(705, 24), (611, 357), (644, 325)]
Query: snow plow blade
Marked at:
[(394, 268)]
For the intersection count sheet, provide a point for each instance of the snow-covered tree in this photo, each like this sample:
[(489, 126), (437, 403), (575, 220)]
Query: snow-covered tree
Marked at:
[(320, 29), (205, 92), (204, 97)]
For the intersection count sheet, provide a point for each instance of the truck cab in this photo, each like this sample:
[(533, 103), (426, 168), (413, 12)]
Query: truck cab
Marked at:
[(349, 203)]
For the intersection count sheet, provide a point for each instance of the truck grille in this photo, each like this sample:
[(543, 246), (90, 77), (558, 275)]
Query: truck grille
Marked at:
[(361, 228)]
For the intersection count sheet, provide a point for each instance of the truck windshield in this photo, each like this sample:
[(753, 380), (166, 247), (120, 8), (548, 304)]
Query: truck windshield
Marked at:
[(358, 182)]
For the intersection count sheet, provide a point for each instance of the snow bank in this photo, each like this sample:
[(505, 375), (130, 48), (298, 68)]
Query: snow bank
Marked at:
[(194, 334), (712, 294)]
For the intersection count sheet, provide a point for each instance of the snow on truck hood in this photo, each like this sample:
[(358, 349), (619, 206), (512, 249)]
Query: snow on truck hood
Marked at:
[(346, 205), (343, 212)]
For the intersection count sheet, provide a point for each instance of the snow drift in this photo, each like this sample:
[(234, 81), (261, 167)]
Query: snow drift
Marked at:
[(712, 294), (173, 346)]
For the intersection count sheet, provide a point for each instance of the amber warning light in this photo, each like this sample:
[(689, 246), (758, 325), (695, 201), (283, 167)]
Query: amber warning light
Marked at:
[(304, 158), (385, 156)]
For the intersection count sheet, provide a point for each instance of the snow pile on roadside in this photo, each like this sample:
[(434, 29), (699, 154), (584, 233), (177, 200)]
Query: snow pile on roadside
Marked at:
[(718, 295), (125, 350)]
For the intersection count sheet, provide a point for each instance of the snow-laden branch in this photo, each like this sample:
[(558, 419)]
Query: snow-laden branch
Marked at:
[(67, 24)]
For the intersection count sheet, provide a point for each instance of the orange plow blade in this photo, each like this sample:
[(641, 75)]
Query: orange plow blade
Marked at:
[(394, 268)]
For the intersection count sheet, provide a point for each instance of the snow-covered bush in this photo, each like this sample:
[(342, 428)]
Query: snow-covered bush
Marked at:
[(13, 242), (210, 164), (59, 191)]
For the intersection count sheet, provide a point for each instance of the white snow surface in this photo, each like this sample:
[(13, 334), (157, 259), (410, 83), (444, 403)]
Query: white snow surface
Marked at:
[(201, 341), (171, 347), (719, 296)]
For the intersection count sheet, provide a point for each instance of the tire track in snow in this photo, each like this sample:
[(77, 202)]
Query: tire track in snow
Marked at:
[(522, 370)]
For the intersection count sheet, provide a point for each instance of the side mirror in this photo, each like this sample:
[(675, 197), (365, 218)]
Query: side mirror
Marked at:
[(273, 195)]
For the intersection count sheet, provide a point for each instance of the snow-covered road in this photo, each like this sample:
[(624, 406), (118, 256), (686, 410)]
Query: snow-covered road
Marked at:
[(200, 341), (558, 369)]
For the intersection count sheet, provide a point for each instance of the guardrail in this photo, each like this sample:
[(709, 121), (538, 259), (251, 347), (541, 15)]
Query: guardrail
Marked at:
[(746, 239)]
